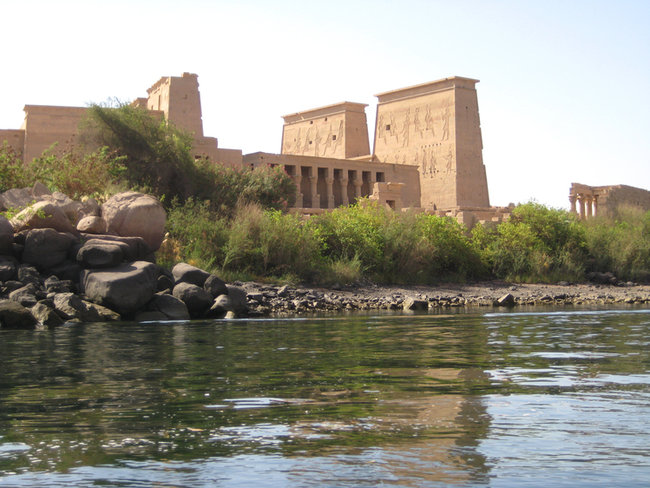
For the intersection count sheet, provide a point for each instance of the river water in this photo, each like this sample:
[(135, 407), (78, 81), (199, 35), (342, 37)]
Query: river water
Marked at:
[(550, 398)]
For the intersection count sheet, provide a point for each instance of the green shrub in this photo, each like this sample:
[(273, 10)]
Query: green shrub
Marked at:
[(195, 234), (398, 247), (271, 243), (13, 174), (621, 245), (537, 243)]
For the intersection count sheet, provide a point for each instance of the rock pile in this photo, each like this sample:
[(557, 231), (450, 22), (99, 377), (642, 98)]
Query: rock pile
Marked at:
[(62, 260)]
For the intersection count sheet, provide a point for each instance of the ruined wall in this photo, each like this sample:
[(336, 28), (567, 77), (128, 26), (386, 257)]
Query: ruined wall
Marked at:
[(591, 201), (45, 125), (436, 127), (335, 131)]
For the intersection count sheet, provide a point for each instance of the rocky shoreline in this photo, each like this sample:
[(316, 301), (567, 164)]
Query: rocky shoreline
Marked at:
[(271, 300)]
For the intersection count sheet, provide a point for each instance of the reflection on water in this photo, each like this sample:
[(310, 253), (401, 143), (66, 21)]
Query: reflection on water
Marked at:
[(460, 400)]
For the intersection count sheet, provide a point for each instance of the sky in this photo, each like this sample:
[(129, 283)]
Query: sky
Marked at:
[(564, 94)]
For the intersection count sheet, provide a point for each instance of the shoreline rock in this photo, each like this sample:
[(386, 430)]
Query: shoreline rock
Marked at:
[(272, 300)]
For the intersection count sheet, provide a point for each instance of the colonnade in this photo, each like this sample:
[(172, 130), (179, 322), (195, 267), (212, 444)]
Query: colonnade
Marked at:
[(328, 187), (584, 204)]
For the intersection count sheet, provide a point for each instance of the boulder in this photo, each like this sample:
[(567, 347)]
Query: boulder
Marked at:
[(16, 198), (42, 215), (29, 274), (219, 307), (90, 208), (136, 214), (125, 288), (215, 286), (101, 254), (25, 295), (55, 285), (7, 269), (92, 224), (47, 247), (39, 190), (67, 270), (165, 283), (507, 300), (72, 307), (411, 303), (14, 316), (136, 250), (195, 298), (6, 236), (186, 273), (238, 299), (46, 315), (171, 307), (70, 207)]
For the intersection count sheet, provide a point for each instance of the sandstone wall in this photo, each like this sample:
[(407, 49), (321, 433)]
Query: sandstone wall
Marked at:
[(436, 127), (335, 131)]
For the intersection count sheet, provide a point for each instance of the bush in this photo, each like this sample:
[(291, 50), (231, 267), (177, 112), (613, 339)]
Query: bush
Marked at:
[(621, 246), (271, 243), (398, 247), (13, 173), (71, 173), (537, 243), (196, 235)]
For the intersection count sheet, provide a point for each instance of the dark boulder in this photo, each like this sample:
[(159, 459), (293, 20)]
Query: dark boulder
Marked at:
[(29, 274), (194, 297), (101, 254), (45, 248), (125, 288), (6, 236), (7, 269), (215, 286), (14, 316), (171, 307), (186, 273)]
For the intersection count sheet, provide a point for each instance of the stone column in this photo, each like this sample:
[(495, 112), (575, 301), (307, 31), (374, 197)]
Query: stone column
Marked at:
[(344, 187), (313, 184), (595, 205), (581, 203), (330, 188), (590, 202), (357, 182), (297, 179), (572, 200)]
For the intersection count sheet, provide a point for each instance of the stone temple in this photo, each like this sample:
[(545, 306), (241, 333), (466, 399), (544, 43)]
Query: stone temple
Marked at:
[(426, 149)]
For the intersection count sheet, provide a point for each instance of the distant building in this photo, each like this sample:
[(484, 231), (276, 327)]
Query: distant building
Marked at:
[(591, 201)]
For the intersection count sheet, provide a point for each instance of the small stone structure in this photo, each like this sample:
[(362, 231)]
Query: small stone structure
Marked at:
[(591, 201)]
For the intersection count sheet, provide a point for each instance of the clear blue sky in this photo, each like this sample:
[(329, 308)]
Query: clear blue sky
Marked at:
[(564, 93)]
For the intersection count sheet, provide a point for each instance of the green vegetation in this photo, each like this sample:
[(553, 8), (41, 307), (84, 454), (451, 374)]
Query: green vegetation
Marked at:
[(232, 221), (158, 159)]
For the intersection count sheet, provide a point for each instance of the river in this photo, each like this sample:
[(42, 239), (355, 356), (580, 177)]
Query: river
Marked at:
[(546, 398)]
